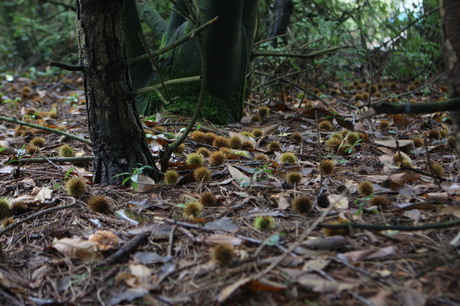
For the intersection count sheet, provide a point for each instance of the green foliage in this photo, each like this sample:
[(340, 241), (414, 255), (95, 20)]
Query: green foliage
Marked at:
[(404, 41), (133, 176), (34, 32)]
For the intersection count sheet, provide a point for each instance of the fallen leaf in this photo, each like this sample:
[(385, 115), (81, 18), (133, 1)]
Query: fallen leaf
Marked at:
[(318, 284), (450, 210), (230, 289), (129, 295), (145, 184), (221, 238), (338, 200), (148, 258), (226, 224), (393, 143), (44, 195), (264, 286), (328, 243), (77, 248), (317, 264), (241, 178)]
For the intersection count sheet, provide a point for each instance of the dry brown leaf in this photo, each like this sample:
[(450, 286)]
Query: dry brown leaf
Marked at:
[(392, 143), (450, 210), (270, 129), (156, 230), (141, 272), (328, 243), (241, 178), (44, 195), (145, 184), (77, 248), (318, 284), (222, 238), (397, 180), (367, 254), (283, 200), (317, 264), (230, 289), (225, 224), (338, 200), (381, 298), (129, 295), (264, 286), (439, 197)]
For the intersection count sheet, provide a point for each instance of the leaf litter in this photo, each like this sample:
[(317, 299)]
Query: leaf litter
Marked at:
[(71, 247)]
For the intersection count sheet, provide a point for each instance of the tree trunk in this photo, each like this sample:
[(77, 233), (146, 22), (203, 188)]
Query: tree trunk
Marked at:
[(281, 14), (450, 14), (228, 46), (118, 139)]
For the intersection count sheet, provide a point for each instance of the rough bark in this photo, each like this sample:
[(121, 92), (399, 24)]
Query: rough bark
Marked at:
[(119, 142), (450, 14)]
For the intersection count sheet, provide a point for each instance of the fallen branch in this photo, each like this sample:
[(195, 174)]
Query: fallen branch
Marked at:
[(156, 88), (417, 108), (309, 55), (67, 67), (23, 160), (382, 227), (126, 249), (45, 128)]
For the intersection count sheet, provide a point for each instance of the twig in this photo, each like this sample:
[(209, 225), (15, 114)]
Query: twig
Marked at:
[(309, 55), (36, 215), (171, 240), (127, 248), (382, 227), (155, 88), (45, 128), (308, 92), (67, 67), (24, 160), (176, 43)]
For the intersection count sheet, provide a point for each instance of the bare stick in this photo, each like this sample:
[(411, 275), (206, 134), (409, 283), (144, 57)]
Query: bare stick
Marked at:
[(45, 128), (178, 42), (127, 248), (24, 160), (67, 67), (309, 55), (382, 227)]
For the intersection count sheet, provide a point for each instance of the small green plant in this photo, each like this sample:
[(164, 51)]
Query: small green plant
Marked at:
[(259, 174), (350, 148), (133, 176), (12, 103), (72, 99)]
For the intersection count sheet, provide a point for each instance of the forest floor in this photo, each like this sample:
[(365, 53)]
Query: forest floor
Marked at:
[(258, 240)]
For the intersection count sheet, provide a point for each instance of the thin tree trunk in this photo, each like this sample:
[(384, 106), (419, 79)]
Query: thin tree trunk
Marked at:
[(450, 14), (281, 14), (118, 139)]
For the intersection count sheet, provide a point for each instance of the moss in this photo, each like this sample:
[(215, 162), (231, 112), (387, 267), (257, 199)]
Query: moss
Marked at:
[(214, 109)]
